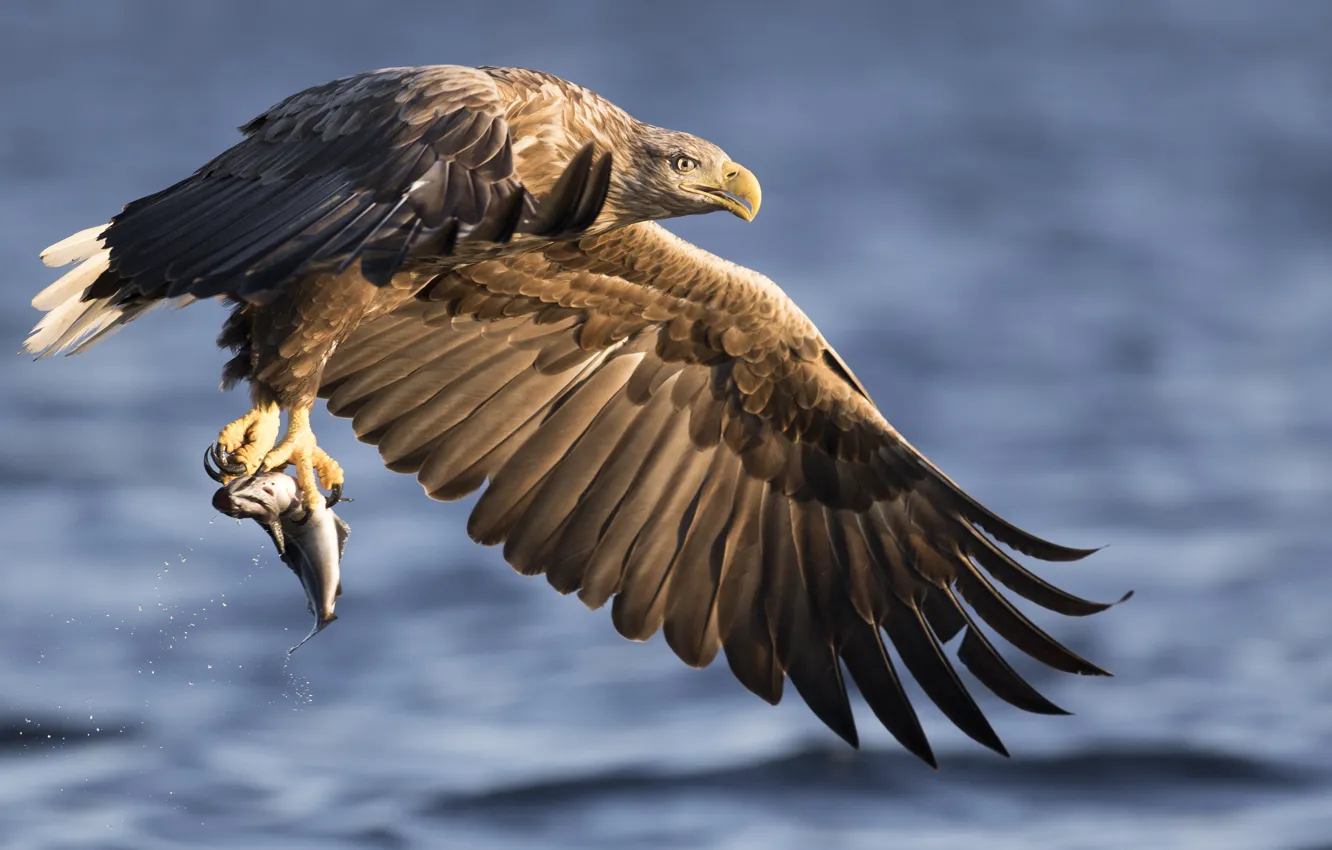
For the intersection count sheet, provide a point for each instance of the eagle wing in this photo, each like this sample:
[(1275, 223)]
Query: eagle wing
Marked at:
[(663, 427), (377, 166)]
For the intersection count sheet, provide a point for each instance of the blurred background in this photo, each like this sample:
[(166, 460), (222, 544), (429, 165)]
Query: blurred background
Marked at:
[(1079, 254)]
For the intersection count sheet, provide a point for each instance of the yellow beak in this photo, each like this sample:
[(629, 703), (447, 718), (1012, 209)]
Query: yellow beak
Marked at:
[(739, 191)]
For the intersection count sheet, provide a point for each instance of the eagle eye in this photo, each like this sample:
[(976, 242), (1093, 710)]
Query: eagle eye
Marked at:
[(683, 164)]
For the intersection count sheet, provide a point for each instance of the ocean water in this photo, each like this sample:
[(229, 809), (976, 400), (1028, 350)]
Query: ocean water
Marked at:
[(1079, 253)]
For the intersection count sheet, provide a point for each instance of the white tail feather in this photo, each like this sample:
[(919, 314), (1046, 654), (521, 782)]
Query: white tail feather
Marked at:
[(75, 281), (80, 246), (117, 319), (68, 324), (72, 324), (69, 320)]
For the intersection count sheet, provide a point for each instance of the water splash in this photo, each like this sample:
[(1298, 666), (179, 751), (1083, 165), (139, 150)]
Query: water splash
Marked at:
[(175, 623), (298, 690)]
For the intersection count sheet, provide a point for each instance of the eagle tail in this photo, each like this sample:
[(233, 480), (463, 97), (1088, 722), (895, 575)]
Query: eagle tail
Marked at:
[(71, 323), (80, 246)]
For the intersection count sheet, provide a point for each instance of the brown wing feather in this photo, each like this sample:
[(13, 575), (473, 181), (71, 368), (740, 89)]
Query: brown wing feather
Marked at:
[(378, 168), (667, 429)]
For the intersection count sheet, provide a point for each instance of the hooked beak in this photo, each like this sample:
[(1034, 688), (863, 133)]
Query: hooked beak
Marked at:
[(738, 193)]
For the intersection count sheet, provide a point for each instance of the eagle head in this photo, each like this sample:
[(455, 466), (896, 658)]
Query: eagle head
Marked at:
[(662, 173)]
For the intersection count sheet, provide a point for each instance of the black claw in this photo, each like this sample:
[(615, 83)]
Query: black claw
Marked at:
[(208, 466), (226, 464)]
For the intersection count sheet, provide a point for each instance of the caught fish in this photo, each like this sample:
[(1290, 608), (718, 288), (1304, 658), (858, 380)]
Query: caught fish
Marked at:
[(310, 542)]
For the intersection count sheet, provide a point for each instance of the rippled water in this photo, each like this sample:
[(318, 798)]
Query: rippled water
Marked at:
[(1079, 253)]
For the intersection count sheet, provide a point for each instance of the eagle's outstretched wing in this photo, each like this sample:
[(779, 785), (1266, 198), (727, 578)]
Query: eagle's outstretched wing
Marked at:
[(375, 166), (380, 168), (663, 427)]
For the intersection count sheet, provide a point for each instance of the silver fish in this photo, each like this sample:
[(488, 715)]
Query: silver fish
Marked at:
[(310, 542)]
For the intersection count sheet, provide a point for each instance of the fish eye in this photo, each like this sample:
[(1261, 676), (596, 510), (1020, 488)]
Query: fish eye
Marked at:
[(683, 164)]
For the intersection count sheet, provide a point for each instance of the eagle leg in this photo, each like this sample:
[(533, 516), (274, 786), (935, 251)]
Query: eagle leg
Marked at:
[(249, 439), (298, 447)]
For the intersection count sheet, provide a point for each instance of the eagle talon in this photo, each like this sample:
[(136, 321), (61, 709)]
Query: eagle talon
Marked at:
[(334, 496), (219, 467), (209, 469), (313, 465), (242, 444), (227, 464)]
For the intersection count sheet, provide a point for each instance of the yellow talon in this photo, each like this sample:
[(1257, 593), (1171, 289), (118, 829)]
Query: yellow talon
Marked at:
[(250, 438), (329, 470), (298, 447)]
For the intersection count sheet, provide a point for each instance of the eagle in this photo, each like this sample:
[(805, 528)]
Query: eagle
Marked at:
[(466, 262)]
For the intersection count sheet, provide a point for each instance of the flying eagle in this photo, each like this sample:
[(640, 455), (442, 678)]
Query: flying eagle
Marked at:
[(466, 263)]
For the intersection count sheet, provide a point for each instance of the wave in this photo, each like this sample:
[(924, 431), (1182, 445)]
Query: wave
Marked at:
[(1107, 774), (20, 735)]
